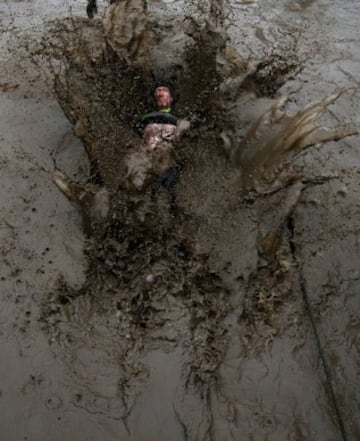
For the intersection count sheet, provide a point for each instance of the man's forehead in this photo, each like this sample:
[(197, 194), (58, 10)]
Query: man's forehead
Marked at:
[(159, 88)]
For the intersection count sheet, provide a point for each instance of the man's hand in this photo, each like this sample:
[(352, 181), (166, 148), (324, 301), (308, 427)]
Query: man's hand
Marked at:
[(182, 126)]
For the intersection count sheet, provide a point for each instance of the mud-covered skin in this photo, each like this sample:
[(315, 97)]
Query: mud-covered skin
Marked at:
[(190, 327)]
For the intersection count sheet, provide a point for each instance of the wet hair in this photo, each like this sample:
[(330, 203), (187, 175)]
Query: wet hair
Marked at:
[(163, 85)]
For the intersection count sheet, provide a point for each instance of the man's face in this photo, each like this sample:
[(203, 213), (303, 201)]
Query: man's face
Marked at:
[(163, 97)]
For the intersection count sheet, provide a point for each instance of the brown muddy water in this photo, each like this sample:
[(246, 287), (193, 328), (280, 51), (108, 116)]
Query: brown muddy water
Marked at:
[(234, 317)]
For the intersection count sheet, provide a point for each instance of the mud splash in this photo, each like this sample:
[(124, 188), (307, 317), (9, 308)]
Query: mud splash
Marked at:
[(161, 287)]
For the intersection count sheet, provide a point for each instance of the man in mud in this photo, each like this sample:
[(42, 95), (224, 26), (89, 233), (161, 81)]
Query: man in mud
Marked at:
[(159, 128), (159, 125)]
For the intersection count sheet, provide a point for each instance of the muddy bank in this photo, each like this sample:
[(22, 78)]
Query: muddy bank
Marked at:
[(189, 326)]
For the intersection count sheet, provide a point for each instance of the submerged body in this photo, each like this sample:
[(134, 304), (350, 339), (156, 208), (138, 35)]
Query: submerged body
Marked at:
[(159, 128), (160, 125)]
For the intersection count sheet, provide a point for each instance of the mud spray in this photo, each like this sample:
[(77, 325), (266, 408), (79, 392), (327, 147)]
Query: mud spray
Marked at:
[(179, 300)]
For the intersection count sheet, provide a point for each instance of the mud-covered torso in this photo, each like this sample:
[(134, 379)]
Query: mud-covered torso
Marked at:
[(157, 126), (155, 133), (156, 155)]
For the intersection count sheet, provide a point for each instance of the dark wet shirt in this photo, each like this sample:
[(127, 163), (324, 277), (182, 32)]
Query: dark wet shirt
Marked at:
[(157, 117)]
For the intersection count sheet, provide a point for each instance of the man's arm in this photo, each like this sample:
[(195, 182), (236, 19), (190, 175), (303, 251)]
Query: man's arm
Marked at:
[(182, 126)]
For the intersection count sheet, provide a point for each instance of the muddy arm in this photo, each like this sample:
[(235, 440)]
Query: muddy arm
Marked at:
[(182, 127)]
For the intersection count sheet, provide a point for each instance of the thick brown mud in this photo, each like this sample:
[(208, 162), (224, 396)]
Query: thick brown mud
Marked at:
[(185, 322)]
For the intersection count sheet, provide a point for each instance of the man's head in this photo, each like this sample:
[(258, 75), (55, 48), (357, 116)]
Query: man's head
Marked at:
[(163, 98)]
